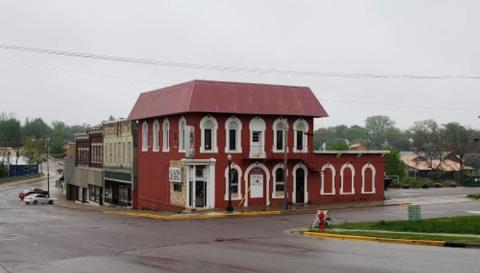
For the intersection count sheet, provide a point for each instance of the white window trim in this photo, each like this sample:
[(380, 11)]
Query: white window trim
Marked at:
[(214, 135), (262, 129), (374, 173), (239, 170), (182, 140), (156, 136), (274, 186), (305, 182), (305, 136), (166, 136), (322, 186), (246, 178), (238, 135), (285, 131), (145, 136), (342, 170)]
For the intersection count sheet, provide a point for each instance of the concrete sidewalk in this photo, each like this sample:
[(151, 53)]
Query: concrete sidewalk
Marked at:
[(211, 214)]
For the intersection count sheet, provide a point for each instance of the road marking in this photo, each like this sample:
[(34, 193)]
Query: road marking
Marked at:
[(473, 212)]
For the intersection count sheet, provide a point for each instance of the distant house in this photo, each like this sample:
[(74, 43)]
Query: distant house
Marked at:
[(357, 147), (418, 165)]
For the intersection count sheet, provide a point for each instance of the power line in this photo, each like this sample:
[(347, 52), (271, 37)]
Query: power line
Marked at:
[(54, 69), (440, 108), (237, 69)]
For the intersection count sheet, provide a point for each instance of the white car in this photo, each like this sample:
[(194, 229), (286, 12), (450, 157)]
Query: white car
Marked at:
[(37, 199)]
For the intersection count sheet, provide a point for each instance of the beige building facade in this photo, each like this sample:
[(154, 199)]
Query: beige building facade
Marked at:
[(118, 162)]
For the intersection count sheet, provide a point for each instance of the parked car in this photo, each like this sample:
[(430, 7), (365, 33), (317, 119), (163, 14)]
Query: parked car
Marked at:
[(37, 199), (24, 193)]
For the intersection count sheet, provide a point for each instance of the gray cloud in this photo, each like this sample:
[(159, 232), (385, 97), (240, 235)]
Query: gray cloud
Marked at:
[(399, 37)]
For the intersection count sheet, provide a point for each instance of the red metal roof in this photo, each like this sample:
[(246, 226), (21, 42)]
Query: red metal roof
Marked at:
[(227, 97)]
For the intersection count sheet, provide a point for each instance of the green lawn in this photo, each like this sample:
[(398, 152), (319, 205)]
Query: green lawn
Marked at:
[(457, 225), (474, 196), (411, 236)]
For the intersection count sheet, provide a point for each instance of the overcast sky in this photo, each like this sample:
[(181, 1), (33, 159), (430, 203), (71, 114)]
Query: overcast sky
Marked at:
[(387, 37)]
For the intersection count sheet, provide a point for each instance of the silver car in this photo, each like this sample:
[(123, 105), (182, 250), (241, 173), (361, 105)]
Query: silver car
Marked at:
[(37, 199)]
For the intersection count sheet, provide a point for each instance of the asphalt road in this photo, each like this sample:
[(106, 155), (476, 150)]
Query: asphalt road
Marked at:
[(53, 239)]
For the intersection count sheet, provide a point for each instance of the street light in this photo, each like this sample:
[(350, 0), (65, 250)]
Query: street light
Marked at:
[(229, 206), (47, 142)]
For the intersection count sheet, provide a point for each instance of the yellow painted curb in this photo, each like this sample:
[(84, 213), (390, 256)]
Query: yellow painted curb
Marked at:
[(192, 217), (375, 239)]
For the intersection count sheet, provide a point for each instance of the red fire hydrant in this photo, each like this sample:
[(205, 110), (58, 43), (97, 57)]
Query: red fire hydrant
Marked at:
[(321, 221)]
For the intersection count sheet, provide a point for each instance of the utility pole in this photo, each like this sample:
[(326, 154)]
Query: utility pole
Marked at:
[(48, 166), (285, 153)]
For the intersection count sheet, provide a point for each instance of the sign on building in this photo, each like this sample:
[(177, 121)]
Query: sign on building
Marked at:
[(174, 175), (190, 149)]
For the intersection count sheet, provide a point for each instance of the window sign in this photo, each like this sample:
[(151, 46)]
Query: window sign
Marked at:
[(174, 175), (256, 185)]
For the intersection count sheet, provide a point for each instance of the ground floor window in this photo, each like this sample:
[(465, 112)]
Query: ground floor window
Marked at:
[(118, 193), (95, 193), (177, 187)]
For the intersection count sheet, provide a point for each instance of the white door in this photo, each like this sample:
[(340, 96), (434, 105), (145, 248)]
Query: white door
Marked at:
[(256, 186)]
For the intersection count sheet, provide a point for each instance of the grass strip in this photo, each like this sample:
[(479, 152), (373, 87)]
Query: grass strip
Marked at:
[(410, 236), (474, 196), (454, 225)]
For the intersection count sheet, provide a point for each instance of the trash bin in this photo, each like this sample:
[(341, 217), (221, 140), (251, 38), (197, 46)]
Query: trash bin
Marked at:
[(414, 213)]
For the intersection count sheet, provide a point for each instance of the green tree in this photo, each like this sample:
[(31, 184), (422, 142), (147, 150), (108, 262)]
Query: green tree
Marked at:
[(377, 129), (56, 146), (428, 142), (34, 150), (459, 141), (337, 145), (10, 136), (394, 165), (37, 129), (357, 134)]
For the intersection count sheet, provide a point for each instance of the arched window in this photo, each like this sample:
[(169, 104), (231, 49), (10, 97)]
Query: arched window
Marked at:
[(257, 138), (156, 136), (347, 176), (300, 127), (328, 174), (182, 132), (368, 179), (280, 128), (278, 181), (145, 137), (209, 126), (233, 130), (166, 135), (236, 183)]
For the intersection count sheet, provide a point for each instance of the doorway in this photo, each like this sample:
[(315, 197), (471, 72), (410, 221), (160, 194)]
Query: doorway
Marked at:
[(197, 185), (300, 186)]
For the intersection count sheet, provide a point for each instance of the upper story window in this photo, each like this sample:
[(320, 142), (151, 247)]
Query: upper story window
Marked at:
[(166, 135), (208, 126), (300, 127), (182, 132), (156, 136), (233, 129), (145, 136), (280, 128), (257, 138), (97, 153)]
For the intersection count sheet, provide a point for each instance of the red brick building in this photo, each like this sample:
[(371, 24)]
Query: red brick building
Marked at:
[(187, 131)]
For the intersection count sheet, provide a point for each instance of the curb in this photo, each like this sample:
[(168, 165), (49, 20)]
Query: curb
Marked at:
[(23, 182), (193, 217), (389, 240)]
